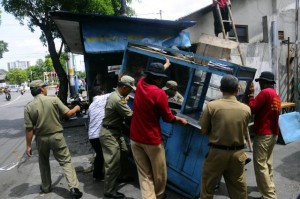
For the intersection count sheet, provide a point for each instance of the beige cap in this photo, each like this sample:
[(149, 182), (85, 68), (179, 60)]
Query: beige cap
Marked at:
[(37, 83), (128, 81), (170, 84)]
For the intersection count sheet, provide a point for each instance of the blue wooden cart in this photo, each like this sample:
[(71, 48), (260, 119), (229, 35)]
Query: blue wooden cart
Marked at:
[(185, 146)]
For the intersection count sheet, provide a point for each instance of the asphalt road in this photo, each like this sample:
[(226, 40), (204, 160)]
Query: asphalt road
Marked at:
[(12, 131), (20, 178)]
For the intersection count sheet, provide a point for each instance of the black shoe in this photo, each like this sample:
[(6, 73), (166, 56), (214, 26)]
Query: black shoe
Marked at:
[(114, 195), (216, 188), (248, 160), (128, 179), (75, 193)]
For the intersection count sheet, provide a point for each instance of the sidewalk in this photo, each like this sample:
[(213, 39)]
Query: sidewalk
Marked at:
[(286, 172)]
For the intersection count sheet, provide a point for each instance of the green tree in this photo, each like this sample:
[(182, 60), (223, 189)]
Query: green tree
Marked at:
[(34, 72), (43, 65), (36, 14), (3, 45), (16, 76), (81, 75)]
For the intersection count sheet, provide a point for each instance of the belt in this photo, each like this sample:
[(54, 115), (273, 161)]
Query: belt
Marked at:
[(222, 147), (111, 127)]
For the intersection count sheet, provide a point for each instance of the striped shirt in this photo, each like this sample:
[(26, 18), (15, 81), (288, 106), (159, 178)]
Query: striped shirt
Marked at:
[(96, 114)]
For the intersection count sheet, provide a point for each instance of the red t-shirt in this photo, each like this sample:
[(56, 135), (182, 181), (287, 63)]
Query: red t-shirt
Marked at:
[(266, 108), (150, 103), (222, 3)]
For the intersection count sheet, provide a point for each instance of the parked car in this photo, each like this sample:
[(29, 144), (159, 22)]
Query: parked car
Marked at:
[(13, 88)]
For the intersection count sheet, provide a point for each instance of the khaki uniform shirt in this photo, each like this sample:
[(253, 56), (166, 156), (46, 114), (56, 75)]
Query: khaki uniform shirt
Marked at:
[(177, 98), (43, 114), (116, 111), (226, 121)]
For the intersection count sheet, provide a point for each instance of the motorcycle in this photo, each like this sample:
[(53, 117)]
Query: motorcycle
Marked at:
[(81, 102), (7, 96)]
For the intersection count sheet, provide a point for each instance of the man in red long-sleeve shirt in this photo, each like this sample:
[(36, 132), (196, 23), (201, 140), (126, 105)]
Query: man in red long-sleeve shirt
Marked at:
[(266, 108), (151, 104)]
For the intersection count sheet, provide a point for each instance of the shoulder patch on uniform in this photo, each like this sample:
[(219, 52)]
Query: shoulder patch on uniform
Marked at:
[(123, 101)]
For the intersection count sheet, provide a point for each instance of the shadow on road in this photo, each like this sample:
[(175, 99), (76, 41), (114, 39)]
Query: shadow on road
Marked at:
[(289, 167)]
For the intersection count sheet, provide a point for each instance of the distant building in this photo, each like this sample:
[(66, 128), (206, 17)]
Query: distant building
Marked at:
[(2, 75), (18, 64)]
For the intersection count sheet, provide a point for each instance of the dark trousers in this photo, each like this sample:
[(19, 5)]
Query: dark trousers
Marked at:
[(217, 21), (99, 160)]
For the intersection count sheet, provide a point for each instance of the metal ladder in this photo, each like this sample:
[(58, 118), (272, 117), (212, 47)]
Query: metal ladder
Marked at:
[(233, 27)]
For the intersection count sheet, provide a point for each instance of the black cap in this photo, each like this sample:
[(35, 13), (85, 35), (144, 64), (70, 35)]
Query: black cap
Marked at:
[(266, 76), (156, 69)]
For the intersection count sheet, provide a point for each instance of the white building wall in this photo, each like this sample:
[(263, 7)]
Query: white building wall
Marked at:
[(245, 12), (257, 53)]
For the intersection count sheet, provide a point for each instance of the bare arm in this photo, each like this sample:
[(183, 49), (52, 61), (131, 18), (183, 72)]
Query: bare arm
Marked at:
[(167, 64), (251, 90), (29, 136), (181, 120), (204, 131), (72, 111)]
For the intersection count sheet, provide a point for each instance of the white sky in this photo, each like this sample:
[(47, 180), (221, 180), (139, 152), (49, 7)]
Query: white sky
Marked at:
[(24, 45)]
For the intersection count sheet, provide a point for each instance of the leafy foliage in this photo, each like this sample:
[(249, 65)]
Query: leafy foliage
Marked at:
[(37, 71), (81, 75), (16, 76), (3, 45)]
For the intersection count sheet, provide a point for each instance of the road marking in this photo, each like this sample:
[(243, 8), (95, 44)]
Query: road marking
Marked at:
[(11, 101), (9, 167)]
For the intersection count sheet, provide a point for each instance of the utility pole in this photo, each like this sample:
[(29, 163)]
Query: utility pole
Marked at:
[(71, 75), (296, 68), (274, 39), (123, 8), (160, 14)]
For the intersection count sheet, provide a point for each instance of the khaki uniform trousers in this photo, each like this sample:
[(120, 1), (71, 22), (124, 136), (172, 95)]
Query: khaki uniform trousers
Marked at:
[(230, 164), (55, 142), (263, 146), (115, 153), (151, 165)]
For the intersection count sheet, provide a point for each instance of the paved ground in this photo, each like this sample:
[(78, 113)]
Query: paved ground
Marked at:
[(286, 173)]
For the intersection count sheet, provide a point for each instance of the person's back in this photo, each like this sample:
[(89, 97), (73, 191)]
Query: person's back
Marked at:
[(224, 112), (45, 113), (147, 114), (96, 114), (266, 108), (225, 122), (41, 119)]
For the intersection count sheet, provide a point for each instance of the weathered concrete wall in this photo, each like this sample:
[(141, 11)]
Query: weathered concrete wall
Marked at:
[(256, 53), (246, 12), (258, 56)]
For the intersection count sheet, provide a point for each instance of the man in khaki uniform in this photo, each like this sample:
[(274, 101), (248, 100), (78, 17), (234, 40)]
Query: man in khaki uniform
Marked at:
[(41, 117), (113, 145), (171, 90), (225, 121)]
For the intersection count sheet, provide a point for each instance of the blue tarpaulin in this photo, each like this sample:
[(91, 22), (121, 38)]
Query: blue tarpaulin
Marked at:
[(115, 35), (289, 124)]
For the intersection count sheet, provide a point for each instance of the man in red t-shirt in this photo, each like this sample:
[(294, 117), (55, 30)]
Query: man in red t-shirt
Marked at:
[(224, 13), (151, 104), (266, 108)]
